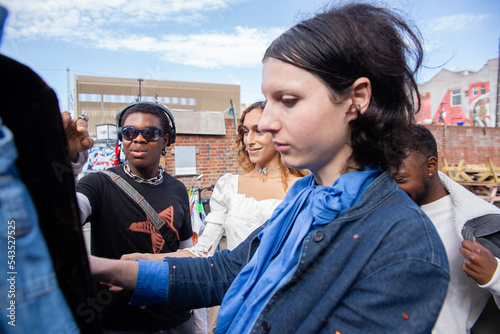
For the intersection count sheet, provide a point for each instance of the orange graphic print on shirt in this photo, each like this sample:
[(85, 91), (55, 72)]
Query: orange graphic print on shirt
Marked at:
[(157, 240)]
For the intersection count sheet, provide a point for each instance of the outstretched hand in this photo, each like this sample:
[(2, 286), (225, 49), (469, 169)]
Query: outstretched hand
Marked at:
[(116, 274), (134, 256), (146, 256), (77, 135), (479, 263)]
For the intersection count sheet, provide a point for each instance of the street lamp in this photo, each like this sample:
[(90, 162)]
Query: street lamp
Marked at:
[(140, 80)]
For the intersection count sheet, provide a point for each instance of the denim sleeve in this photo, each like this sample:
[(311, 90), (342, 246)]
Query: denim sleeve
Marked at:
[(152, 283)]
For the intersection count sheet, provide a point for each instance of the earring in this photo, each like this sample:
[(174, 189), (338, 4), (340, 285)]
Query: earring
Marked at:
[(430, 174), (356, 107), (164, 152)]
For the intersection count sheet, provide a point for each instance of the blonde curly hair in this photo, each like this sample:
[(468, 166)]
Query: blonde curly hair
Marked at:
[(243, 158)]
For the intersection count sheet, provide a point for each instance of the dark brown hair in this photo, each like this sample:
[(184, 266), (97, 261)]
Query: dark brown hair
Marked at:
[(360, 40)]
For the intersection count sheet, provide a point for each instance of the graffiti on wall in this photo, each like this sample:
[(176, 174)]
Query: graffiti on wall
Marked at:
[(450, 110), (100, 158), (479, 104), (459, 107)]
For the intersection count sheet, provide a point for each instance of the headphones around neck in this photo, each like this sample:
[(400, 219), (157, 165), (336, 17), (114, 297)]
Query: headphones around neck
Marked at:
[(171, 127)]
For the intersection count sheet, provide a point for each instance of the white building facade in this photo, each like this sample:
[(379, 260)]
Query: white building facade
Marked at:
[(461, 97)]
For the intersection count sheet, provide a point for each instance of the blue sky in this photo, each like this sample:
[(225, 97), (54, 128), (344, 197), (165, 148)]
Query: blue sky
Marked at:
[(216, 41)]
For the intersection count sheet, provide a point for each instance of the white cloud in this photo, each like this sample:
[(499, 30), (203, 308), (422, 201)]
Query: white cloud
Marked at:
[(241, 48), (244, 47), (459, 22), (126, 25), (117, 10), (47, 19)]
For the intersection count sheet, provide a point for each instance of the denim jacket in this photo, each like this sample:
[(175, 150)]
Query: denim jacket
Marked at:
[(380, 267), (31, 300)]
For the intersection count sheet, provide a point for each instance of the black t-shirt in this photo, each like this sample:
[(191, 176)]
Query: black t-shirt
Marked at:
[(120, 226)]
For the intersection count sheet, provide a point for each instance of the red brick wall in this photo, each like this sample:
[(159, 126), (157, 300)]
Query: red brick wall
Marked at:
[(215, 157), (473, 144)]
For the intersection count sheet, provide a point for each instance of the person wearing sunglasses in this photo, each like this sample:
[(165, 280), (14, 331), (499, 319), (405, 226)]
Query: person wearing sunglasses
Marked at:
[(120, 226)]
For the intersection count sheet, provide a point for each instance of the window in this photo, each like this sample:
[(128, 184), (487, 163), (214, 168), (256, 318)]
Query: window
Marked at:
[(456, 98), (89, 97), (474, 91), (175, 100), (165, 100), (483, 90), (183, 101), (148, 98), (185, 160), (192, 101), (119, 98), (106, 131)]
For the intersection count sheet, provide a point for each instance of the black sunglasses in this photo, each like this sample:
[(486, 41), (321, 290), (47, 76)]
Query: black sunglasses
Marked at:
[(150, 134)]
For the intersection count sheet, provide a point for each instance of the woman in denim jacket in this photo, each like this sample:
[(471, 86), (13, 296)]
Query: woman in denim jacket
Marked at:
[(346, 251)]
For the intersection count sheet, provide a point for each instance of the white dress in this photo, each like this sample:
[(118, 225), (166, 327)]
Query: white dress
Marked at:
[(233, 215)]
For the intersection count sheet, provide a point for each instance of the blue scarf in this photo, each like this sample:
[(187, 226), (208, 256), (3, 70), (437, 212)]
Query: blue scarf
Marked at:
[(306, 207)]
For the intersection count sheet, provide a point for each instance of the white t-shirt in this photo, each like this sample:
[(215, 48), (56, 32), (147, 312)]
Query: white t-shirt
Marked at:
[(465, 299)]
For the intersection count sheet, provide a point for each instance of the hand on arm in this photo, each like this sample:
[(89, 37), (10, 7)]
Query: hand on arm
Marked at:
[(150, 288), (479, 263), (142, 256), (116, 272), (77, 135), (156, 257)]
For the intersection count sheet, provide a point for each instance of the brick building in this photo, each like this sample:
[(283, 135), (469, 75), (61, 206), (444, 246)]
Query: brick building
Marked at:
[(462, 97), (214, 157)]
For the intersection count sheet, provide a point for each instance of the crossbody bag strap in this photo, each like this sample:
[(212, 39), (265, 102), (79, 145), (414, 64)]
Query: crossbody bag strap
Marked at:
[(170, 235)]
